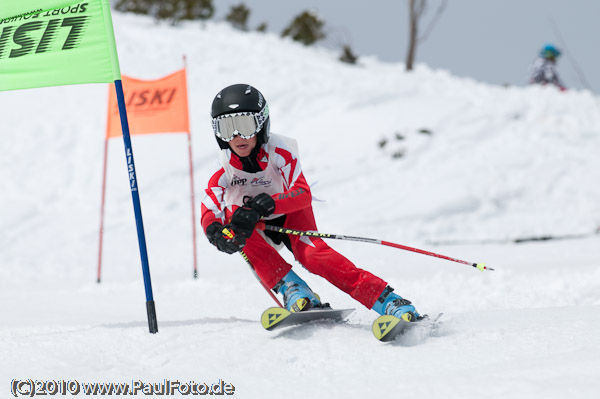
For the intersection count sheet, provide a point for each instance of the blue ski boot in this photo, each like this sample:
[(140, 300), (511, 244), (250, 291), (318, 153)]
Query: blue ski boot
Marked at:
[(389, 303), (297, 295)]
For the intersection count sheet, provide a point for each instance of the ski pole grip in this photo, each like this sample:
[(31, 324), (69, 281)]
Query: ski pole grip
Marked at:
[(260, 226)]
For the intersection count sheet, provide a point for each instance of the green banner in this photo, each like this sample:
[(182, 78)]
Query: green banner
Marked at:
[(56, 42)]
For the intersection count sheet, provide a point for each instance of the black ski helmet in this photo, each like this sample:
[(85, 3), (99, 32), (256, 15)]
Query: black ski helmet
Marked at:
[(241, 98)]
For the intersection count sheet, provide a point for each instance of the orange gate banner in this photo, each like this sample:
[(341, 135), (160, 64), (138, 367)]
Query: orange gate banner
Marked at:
[(153, 106)]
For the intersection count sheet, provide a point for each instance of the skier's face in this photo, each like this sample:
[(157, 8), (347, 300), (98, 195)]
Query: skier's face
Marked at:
[(241, 146)]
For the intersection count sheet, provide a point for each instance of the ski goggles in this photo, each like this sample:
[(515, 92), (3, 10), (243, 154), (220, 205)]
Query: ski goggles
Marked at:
[(245, 124)]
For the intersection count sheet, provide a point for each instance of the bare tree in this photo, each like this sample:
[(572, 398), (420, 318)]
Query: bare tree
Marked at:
[(173, 10), (238, 16), (306, 28), (416, 9)]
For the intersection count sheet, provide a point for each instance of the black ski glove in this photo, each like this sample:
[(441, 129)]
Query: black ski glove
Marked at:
[(263, 203), (246, 217), (225, 237)]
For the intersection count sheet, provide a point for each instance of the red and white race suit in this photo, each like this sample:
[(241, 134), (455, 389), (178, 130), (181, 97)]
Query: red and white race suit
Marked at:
[(281, 176)]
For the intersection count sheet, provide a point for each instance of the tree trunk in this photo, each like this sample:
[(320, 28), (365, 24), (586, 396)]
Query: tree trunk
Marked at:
[(413, 18)]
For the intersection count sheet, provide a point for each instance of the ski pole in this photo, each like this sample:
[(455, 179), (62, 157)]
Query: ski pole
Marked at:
[(285, 230), (259, 279)]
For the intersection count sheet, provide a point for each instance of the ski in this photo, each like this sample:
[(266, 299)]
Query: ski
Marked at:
[(274, 318), (387, 328)]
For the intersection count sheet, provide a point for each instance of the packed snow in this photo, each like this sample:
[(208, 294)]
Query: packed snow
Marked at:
[(424, 159)]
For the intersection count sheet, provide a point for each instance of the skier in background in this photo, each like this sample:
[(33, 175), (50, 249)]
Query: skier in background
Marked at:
[(259, 176), (543, 69)]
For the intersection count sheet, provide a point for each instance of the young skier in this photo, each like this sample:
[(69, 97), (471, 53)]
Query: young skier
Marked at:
[(259, 177), (543, 69)]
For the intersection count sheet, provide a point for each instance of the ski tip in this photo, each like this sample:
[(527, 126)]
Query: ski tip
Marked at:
[(272, 316), (387, 328), (383, 326), (275, 317)]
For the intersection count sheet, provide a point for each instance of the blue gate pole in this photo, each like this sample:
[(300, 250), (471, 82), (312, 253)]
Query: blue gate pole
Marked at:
[(135, 195)]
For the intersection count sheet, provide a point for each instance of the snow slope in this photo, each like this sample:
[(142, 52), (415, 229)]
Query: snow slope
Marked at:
[(479, 163)]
